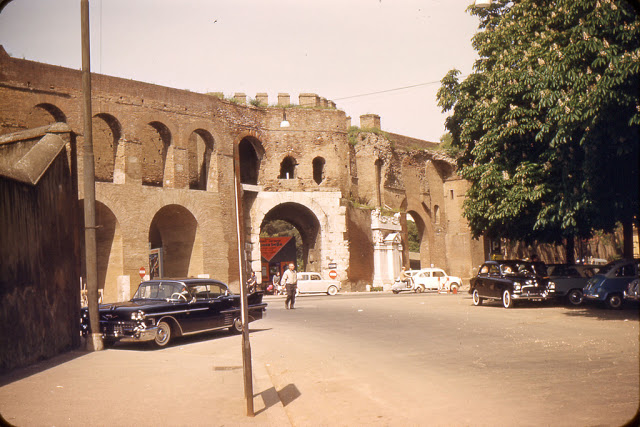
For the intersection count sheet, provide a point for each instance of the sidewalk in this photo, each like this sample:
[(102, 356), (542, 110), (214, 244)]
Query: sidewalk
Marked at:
[(198, 382)]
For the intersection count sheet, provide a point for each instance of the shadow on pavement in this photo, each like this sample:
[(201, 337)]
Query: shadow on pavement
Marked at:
[(628, 312), (272, 397), (41, 366)]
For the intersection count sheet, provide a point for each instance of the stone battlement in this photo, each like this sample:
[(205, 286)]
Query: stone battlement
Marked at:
[(310, 100)]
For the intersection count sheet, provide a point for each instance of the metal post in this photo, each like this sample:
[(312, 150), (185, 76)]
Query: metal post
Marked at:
[(95, 339), (246, 345)]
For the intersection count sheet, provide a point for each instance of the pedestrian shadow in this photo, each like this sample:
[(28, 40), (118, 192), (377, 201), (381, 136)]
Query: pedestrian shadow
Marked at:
[(271, 396)]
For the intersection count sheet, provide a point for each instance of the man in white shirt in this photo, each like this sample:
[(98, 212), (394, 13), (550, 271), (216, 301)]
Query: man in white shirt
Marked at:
[(290, 280)]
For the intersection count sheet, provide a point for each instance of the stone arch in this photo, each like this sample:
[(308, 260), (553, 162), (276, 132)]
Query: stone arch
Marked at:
[(174, 230), (200, 147), (45, 114), (318, 169), (250, 154), (156, 139), (307, 224), (107, 132), (109, 254), (288, 168)]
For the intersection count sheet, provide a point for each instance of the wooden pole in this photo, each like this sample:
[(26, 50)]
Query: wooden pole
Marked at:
[(95, 339), (246, 345)]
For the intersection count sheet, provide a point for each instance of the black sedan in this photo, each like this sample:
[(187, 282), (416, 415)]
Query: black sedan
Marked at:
[(165, 308), (510, 281)]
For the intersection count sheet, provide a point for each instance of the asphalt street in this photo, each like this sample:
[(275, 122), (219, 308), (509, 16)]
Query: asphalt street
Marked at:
[(356, 359)]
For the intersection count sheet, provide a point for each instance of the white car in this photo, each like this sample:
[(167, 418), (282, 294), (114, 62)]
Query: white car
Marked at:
[(310, 282), (436, 279)]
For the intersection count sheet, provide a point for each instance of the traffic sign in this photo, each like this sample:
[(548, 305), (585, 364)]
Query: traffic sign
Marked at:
[(333, 274), (142, 272)]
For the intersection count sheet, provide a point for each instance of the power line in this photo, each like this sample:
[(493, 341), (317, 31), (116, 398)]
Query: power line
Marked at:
[(389, 90)]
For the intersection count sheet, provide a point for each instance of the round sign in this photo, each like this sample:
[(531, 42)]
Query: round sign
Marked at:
[(142, 272), (333, 274)]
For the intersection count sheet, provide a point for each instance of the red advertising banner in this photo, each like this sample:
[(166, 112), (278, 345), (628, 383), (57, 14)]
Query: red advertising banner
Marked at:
[(270, 246)]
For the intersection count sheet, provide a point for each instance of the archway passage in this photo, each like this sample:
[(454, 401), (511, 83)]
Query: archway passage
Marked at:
[(249, 152), (421, 237), (173, 235), (200, 149), (106, 136), (45, 114), (109, 255), (308, 227)]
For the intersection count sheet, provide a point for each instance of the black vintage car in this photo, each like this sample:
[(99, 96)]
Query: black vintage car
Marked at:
[(510, 281), (165, 308)]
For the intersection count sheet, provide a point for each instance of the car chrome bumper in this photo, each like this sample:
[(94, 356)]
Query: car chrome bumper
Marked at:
[(139, 335), (532, 297)]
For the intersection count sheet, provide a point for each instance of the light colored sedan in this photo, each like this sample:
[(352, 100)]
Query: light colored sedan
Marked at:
[(310, 282), (436, 279)]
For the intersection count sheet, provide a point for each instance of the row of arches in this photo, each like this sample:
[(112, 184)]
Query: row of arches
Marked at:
[(156, 142)]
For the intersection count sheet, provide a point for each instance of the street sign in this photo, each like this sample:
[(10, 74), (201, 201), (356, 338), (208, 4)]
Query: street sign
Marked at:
[(142, 272), (333, 265), (333, 274)]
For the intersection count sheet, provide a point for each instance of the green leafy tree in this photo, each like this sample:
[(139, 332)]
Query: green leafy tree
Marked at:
[(548, 122), (413, 237)]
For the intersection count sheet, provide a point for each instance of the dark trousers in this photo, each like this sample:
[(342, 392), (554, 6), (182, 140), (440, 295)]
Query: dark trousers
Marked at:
[(291, 295)]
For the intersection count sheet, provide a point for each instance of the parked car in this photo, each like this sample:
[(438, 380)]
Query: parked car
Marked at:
[(609, 284), (631, 293), (311, 282), (163, 309), (570, 279), (435, 279), (510, 281)]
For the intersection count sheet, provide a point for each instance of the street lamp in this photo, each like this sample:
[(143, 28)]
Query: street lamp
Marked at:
[(284, 123)]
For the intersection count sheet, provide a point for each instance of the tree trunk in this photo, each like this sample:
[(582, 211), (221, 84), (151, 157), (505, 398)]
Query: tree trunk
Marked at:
[(570, 247), (627, 238)]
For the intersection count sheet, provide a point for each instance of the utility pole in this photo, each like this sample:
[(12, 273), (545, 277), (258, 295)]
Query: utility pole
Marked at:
[(95, 338), (246, 345)]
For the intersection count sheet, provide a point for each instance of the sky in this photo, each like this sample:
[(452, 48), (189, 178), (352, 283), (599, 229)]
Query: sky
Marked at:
[(338, 49)]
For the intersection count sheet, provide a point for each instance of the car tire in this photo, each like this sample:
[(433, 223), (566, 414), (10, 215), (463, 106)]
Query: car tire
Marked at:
[(614, 301), (236, 326), (454, 286), (163, 336), (575, 297), (419, 289), (332, 290), (395, 292), (477, 300), (507, 301)]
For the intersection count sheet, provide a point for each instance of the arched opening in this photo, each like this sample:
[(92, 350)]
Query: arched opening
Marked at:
[(176, 246), (156, 139), (378, 168), (200, 148), (45, 114), (106, 134), (288, 168), (318, 169), (418, 241), (293, 219), (249, 160), (110, 255), (436, 214)]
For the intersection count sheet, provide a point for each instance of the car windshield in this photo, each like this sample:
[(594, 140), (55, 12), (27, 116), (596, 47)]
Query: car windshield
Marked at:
[(605, 269), (158, 290), (522, 268)]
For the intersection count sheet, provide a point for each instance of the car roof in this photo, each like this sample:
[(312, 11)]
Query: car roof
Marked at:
[(186, 281)]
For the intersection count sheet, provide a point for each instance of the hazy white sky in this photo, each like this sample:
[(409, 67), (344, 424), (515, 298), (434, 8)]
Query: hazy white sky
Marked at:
[(335, 48)]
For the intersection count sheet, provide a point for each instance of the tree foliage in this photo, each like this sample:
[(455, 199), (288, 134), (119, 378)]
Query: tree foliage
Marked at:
[(548, 122)]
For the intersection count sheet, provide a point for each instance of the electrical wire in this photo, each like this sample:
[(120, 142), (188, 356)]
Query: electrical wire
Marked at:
[(388, 90)]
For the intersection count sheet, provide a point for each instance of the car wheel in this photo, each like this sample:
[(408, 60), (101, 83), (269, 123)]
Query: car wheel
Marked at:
[(574, 297), (236, 326), (507, 302), (332, 290), (477, 300), (419, 289), (454, 288), (395, 292), (163, 336), (614, 301)]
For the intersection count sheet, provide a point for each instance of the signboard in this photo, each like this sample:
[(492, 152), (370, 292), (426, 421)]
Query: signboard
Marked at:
[(270, 246), (333, 274), (333, 265), (142, 272)]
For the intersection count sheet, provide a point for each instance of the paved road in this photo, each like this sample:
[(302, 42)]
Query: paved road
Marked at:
[(356, 359), (433, 359)]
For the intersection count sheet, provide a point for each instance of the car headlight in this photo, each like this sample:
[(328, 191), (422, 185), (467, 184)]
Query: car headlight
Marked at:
[(517, 287), (138, 315), (551, 286)]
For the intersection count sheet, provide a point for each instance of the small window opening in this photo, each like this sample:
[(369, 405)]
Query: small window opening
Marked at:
[(287, 168), (318, 169)]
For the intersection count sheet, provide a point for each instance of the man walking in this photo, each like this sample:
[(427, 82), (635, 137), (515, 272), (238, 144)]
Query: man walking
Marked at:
[(290, 280)]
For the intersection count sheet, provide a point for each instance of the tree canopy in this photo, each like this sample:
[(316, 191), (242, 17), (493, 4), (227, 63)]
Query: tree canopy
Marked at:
[(548, 123)]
